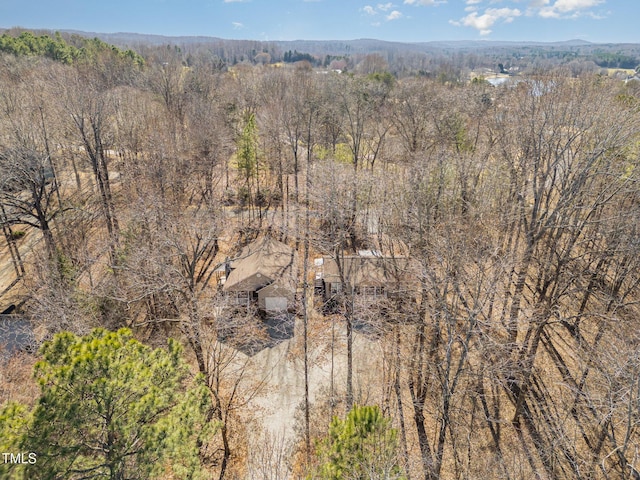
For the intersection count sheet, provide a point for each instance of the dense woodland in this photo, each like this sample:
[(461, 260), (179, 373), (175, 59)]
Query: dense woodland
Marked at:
[(126, 184)]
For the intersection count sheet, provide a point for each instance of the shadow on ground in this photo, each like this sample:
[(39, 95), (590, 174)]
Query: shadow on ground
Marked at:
[(16, 335), (252, 334)]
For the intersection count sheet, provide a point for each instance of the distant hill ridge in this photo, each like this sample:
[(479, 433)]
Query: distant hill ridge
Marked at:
[(324, 46), (231, 51), (341, 47)]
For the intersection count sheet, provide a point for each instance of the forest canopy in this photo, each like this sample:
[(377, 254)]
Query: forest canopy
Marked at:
[(80, 49), (381, 262)]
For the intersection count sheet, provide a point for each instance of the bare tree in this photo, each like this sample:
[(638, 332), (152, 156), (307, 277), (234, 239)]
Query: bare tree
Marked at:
[(89, 106)]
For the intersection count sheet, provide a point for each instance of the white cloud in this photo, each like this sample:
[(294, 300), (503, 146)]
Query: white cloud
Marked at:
[(235, 1), (473, 2), (382, 9), (548, 12), (483, 23), (571, 5), (564, 8), (423, 2), (237, 25)]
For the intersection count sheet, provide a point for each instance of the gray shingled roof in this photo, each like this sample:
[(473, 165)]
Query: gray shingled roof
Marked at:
[(366, 270), (267, 257)]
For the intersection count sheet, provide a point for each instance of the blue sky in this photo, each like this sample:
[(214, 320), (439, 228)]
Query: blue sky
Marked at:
[(599, 21)]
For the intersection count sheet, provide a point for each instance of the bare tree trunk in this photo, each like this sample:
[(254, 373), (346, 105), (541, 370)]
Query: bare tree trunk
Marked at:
[(349, 325), (398, 392), (11, 244)]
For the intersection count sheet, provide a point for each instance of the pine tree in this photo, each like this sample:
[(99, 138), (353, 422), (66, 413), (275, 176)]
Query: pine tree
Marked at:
[(362, 446), (110, 407)]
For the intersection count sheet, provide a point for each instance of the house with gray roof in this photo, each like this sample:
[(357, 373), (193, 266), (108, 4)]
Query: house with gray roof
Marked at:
[(263, 275), (368, 275)]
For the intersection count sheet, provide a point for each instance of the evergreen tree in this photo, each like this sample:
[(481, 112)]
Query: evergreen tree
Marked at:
[(362, 446), (110, 407), (88, 51)]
